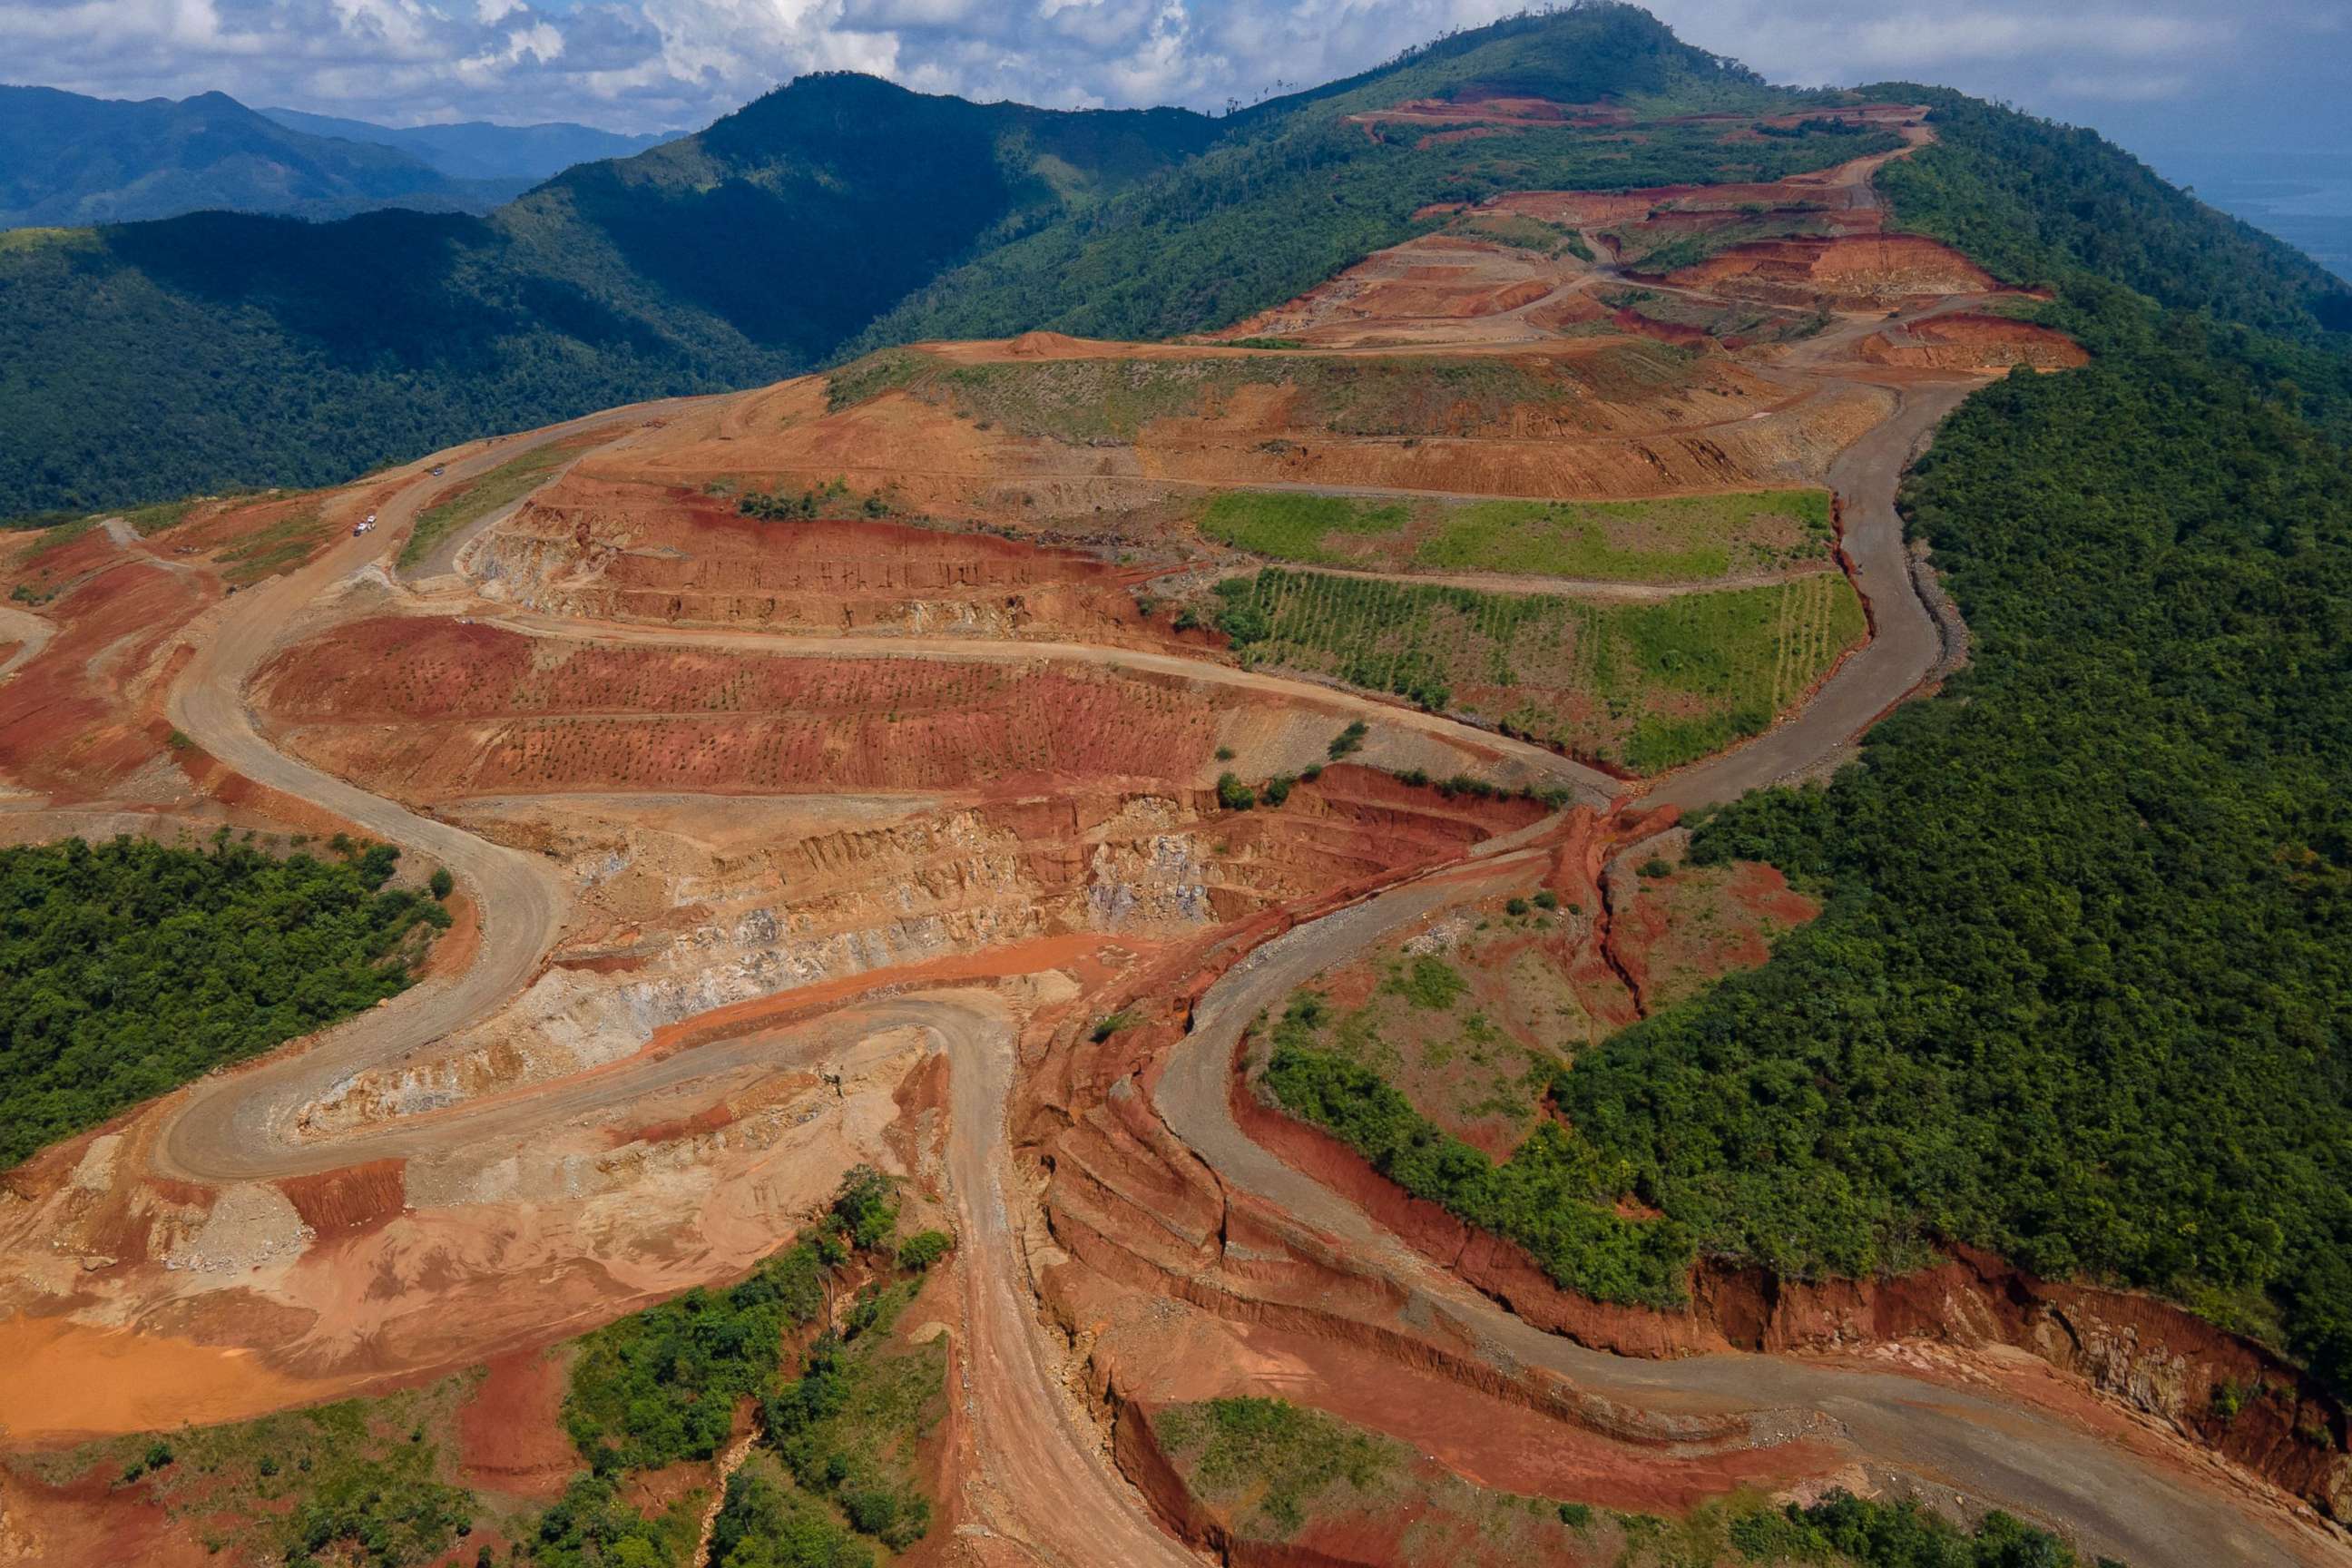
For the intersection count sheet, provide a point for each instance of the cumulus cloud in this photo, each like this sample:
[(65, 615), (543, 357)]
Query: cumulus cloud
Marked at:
[(664, 64)]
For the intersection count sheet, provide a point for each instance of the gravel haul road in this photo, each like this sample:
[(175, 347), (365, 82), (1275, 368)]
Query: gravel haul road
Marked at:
[(1983, 1449), (1042, 1479)]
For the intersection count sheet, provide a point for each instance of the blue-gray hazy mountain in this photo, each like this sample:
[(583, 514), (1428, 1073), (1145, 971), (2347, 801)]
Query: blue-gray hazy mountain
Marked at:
[(477, 150), (66, 159), (843, 212)]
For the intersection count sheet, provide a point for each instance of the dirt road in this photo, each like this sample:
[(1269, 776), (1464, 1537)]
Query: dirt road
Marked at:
[(231, 1125), (1986, 1450), (1043, 1481), (1905, 642), (1042, 1478), (29, 632)]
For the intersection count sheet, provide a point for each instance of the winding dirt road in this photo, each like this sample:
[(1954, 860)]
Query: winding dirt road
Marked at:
[(29, 632), (239, 1126), (1042, 1479), (2015, 1458)]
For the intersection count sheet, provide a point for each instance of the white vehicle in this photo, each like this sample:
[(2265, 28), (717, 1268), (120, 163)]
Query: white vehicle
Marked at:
[(367, 527)]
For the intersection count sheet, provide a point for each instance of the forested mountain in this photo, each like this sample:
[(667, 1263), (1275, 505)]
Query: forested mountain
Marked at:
[(67, 159), (1299, 190), (841, 213), (477, 150), (219, 349)]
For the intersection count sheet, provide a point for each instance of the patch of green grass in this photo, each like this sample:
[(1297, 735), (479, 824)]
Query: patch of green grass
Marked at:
[(362, 1480), (478, 498), (1430, 982), (864, 380), (1273, 1460), (1682, 539), (266, 552), (1648, 684), (149, 519), (1524, 232), (54, 537), (850, 1427), (1292, 525)]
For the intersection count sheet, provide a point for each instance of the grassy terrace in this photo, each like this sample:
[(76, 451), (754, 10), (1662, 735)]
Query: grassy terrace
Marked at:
[(1678, 539), (468, 502), (1646, 686)]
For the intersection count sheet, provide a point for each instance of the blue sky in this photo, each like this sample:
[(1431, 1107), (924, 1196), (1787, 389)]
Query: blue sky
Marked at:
[(2252, 75)]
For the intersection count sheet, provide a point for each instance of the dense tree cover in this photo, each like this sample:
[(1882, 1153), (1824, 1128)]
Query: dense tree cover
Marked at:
[(1867, 1533), (593, 1526), (847, 1427), (1299, 191), (143, 361), (1549, 1196), (764, 1525), (2082, 990), (2034, 202), (128, 968), (661, 1385)]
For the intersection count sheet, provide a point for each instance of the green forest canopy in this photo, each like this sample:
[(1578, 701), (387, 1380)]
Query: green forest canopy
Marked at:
[(142, 361), (129, 968)]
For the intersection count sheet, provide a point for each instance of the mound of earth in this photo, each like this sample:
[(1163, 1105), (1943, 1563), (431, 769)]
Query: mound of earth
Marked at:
[(1970, 341)]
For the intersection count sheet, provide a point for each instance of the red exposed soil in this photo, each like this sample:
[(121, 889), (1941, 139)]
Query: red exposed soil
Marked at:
[(351, 1201), (1677, 933), (511, 1435), (2151, 1355), (90, 1522), (482, 709), (68, 725), (603, 545), (1970, 341), (1848, 269)]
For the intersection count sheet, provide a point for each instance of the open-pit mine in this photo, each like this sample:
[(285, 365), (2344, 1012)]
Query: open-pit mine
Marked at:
[(961, 764)]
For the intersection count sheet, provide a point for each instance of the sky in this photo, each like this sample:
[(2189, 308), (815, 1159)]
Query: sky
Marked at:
[(2163, 77)]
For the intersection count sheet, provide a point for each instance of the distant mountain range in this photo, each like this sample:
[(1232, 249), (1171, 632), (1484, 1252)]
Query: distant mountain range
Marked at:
[(477, 150), (66, 161), (843, 213)]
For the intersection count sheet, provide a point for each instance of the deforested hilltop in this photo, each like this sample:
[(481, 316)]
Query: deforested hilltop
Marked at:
[(842, 213)]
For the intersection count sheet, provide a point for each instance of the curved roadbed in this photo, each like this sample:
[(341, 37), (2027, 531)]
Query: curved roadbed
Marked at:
[(1981, 1448), (29, 632), (1042, 1479)]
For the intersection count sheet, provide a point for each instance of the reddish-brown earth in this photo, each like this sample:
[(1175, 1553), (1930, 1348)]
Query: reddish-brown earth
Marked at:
[(1974, 341), (511, 1436), (781, 869)]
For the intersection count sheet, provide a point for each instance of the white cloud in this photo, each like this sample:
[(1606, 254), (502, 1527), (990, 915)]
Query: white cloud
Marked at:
[(645, 64)]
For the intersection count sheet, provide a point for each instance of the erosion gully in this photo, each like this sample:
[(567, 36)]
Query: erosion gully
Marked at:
[(1043, 1478)]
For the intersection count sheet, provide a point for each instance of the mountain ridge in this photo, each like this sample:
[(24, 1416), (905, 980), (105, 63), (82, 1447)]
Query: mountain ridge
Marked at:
[(481, 148), (70, 160), (835, 215)]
